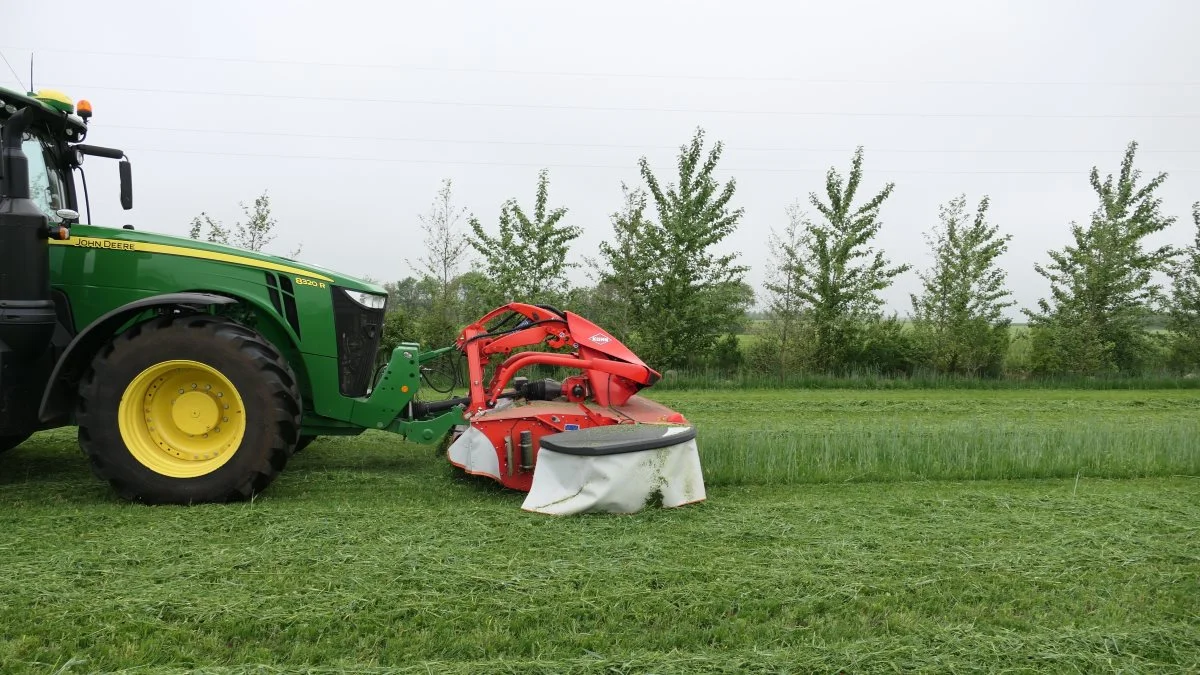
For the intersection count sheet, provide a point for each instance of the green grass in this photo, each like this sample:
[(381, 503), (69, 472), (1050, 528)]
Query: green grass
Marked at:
[(771, 436), (706, 380), (371, 555)]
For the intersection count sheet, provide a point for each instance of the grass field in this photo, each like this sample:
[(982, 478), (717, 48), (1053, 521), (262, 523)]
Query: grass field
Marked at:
[(757, 437), (370, 555)]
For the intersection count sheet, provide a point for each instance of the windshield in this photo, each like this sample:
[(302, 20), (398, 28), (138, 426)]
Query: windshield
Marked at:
[(45, 180)]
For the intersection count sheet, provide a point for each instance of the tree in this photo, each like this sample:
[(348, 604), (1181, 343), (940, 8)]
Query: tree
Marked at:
[(959, 314), (1184, 317), (445, 252), (417, 299), (682, 295), (217, 234), (606, 304), (445, 243), (837, 274), (527, 260), (785, 307), (618, 280), (408, 294), (397, 328), (252, 235), (473, 290), (1101, 285)]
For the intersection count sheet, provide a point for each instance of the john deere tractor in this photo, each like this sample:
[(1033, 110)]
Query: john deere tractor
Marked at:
[(193, 371)]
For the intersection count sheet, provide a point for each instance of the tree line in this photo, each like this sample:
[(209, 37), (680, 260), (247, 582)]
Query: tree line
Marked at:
[(659, 285)]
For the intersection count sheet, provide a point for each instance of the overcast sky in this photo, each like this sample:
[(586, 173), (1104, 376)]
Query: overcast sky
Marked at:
[(217, 101)]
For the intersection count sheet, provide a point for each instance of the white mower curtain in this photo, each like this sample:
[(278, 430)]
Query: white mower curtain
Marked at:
[(473, 452), (616, 469)]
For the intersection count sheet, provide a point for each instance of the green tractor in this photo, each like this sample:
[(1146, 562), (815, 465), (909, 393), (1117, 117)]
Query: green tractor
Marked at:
[(193, 371)]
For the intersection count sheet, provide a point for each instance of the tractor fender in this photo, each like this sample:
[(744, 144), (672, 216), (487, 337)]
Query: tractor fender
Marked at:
[(82, 349)]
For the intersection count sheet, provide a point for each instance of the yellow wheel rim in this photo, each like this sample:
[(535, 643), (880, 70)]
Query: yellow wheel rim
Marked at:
[(182, 419)]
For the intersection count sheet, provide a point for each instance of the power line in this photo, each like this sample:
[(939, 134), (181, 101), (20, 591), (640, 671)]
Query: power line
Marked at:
[(12, 70), (631, 76), (629, 167), (551, 106), (622, 146)]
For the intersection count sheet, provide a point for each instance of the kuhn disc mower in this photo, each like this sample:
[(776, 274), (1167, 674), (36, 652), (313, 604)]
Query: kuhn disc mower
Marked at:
[(513, 422)]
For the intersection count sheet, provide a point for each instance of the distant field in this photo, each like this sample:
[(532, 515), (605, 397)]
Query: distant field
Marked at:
[(370, 555)]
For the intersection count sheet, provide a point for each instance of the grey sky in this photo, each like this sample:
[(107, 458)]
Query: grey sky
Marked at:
[(1016, 100)]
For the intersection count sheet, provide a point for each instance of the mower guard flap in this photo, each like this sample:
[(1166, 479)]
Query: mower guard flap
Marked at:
[(616, 469)]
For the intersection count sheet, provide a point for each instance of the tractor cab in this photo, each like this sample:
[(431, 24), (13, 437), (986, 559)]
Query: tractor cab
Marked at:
[(51, 141)]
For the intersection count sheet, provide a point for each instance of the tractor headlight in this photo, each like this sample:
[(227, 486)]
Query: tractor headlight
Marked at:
[(368, 300)]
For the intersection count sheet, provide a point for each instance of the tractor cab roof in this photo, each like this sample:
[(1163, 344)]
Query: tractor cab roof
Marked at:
[(57, 111)]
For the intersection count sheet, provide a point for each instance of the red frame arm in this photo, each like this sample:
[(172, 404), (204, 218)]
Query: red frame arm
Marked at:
[(614, 372), (516, 362)]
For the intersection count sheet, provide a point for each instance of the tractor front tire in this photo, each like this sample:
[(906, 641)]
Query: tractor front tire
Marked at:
[(188, 409)]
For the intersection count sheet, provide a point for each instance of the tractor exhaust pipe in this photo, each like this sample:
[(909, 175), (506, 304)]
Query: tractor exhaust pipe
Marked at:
[(14, 165), (26, 311)]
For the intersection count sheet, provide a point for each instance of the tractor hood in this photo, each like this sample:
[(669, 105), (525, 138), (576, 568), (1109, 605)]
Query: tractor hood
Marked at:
[(150, 242)]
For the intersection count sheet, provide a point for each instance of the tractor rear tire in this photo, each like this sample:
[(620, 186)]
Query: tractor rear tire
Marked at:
[(9, 442), (188, 409)]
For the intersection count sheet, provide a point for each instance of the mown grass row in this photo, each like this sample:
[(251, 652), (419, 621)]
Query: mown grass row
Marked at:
[(705, 380), (898, 454), (789, 437)]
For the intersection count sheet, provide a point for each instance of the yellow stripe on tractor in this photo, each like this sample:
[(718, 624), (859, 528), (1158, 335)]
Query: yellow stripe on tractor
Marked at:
[(184, 252)]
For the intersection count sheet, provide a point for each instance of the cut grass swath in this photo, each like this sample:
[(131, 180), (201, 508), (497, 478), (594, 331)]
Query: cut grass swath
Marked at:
[(706, 380), (914, 453)]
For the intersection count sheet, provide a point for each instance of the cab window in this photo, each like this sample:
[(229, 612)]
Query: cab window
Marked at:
[(45, 180)]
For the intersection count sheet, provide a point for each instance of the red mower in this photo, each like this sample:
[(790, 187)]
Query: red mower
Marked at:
[(608, 443)]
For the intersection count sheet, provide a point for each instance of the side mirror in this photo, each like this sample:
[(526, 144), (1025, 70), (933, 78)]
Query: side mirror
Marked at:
[(126, 184)]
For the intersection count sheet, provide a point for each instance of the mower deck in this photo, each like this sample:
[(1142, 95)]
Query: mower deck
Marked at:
[(511, 462)]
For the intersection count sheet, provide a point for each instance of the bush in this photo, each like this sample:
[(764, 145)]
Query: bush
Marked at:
[(727, 354), (1079, 348), (883, 346), (1059, 349), (1183, 353), (762, 355), (1018, 358), (975, 348), (397, 328)]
